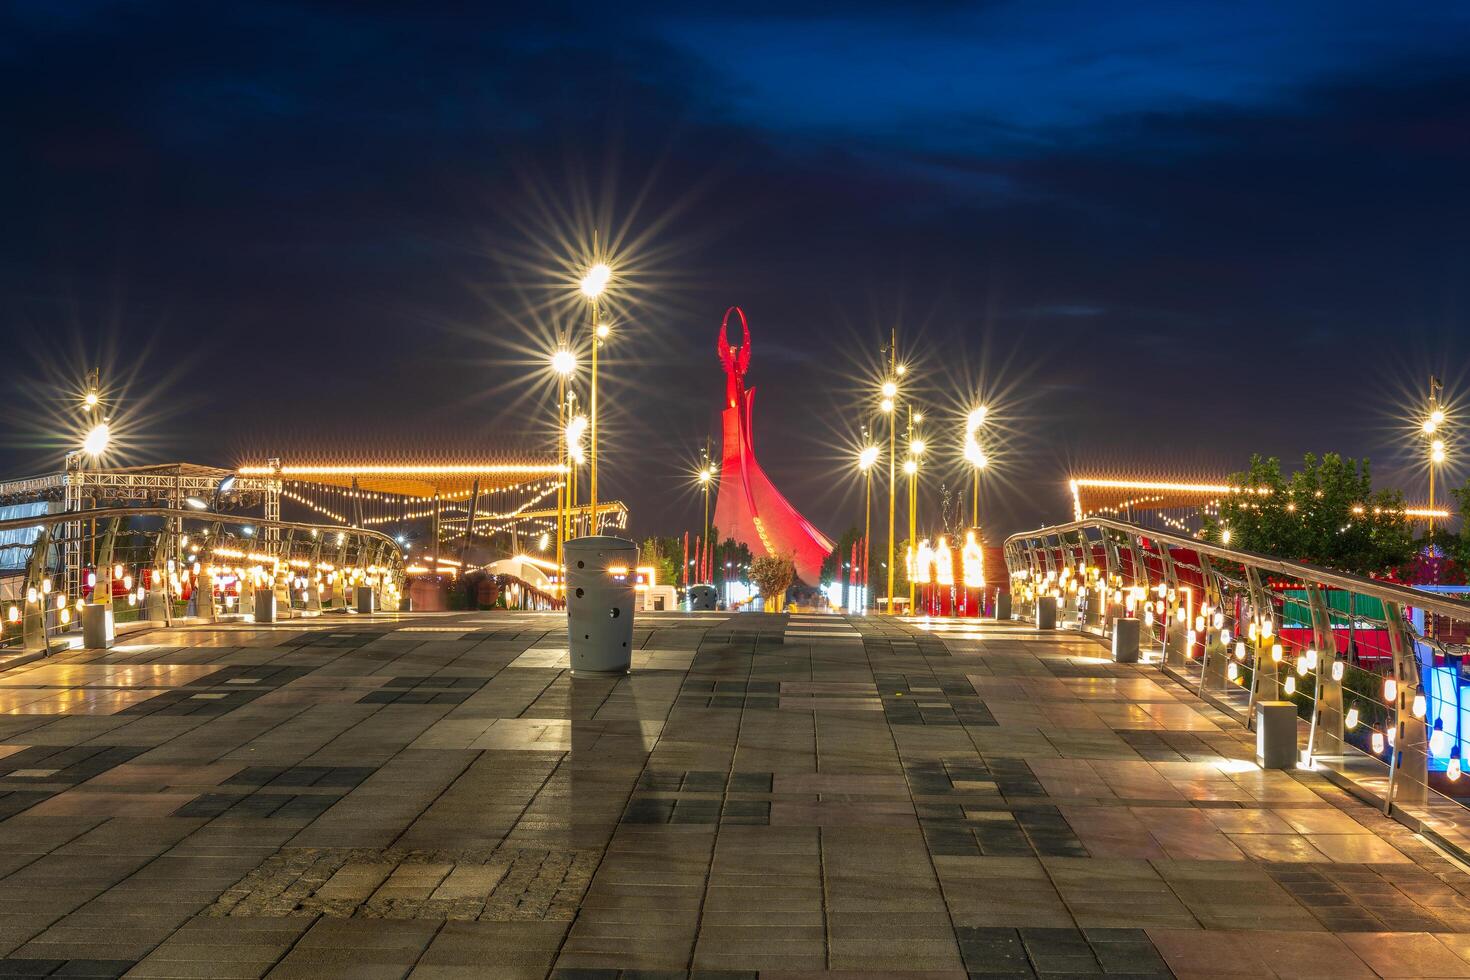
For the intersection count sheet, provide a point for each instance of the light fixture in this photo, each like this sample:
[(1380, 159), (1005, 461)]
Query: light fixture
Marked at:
[(563, 361), (596, 280), (890, 389), (195, 503), (867, 457), (975, 419), (97, 438)]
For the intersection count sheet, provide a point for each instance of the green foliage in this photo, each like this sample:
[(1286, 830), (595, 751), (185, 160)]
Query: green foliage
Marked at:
[(1326, 514), (665, 555), (1458, 546), (739, 558), (832, 565)]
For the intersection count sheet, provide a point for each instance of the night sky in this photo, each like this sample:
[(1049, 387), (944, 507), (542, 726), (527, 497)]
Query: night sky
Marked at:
[(1154, 237)]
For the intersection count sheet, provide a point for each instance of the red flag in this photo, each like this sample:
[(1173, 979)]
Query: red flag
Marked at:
[(699, 557), (684, 568)]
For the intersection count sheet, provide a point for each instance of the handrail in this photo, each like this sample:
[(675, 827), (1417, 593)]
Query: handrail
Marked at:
[(1359, 584)]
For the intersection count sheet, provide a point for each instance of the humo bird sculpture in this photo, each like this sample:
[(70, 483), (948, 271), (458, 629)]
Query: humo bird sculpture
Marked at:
[(748, 507)]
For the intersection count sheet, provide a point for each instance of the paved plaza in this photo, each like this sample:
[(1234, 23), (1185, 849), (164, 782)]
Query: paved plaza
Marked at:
[(435, 796)]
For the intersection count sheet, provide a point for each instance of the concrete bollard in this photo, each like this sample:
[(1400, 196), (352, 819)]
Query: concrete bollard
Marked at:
[(265, 606), (367, 602), (1125, 641), (600, 594), (1046, 612), (97, 628), (1093, 612), (1276, 735)]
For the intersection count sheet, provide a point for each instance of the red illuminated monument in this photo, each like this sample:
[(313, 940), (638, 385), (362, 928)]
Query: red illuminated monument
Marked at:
[(749, 508)]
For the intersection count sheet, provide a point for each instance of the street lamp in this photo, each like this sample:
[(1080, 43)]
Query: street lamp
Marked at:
[(563, 362), (890, 392), (1433, 422), (706, 477), (592, 285), (96, 441), (975, 456), (866, 459)]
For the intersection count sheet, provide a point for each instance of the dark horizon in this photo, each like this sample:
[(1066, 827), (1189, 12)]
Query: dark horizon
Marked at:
[(1154, 240)]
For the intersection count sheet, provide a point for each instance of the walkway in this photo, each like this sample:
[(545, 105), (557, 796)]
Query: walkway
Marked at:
[(372, 796)]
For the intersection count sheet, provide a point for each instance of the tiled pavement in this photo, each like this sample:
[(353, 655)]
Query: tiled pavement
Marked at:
[(436, 796)]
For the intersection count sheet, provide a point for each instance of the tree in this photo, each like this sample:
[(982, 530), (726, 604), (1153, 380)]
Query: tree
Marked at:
[(664, 554), (737, 556), (772, 575), (834, 566), (1326, 514)]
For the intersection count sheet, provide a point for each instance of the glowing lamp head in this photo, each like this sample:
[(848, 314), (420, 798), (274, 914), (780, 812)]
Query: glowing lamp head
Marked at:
[(563, 362), (603, 330), (97, 438), (596, 280), (867, 457), (706, 474), (975, 419), (890, 389), (910, 466), (1436, 451), (90, 400), (886, 405), (917, 447)]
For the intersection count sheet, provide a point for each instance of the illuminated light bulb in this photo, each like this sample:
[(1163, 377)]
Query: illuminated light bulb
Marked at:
[(1199, 624), (65, 616), (1311, 659), (1421, 706), (1338, 668), (1148, 618), (1233, 671), (603, 330), (1240, 650), (1302, 667), (1352, 718), (13, 614), (1438, 738), (1219, 620), (1253, 631), (917, 447), (1452, 771), (132, 599), (97, 438), (1266, 628), (886, 404), (1392, 736), (890, 389), (563, 362), (1159, 606), (1225, 638), (596, 280), (117, 571), (45, 586), (1181, 615), (975, 419), (1390, 690), (1276, 653), (1377, 741), (1290, 686), (91, 580)]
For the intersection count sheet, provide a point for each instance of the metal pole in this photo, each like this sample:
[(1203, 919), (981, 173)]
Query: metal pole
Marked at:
[(592, 487), (561, 461), (892, 466), (867, 530)]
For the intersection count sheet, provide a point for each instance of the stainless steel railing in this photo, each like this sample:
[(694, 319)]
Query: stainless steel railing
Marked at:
[(1372, 666), (161, 563)]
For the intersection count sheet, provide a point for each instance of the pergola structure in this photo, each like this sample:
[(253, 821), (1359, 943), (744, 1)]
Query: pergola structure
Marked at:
[(465, 500)]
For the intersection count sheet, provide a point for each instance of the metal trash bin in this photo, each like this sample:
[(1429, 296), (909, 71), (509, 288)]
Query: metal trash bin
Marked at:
[(600, 594), (367, 600)]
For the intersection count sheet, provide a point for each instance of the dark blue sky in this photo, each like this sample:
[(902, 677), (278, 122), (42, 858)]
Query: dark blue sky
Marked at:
[(1157, 236)]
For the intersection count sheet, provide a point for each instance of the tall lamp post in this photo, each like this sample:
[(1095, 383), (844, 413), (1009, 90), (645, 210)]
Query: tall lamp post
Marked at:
[(563, 362), (1432, 423), (911, 467), (866, 459), (890, 392), (706, 477), (975, 456), (592, 286)]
